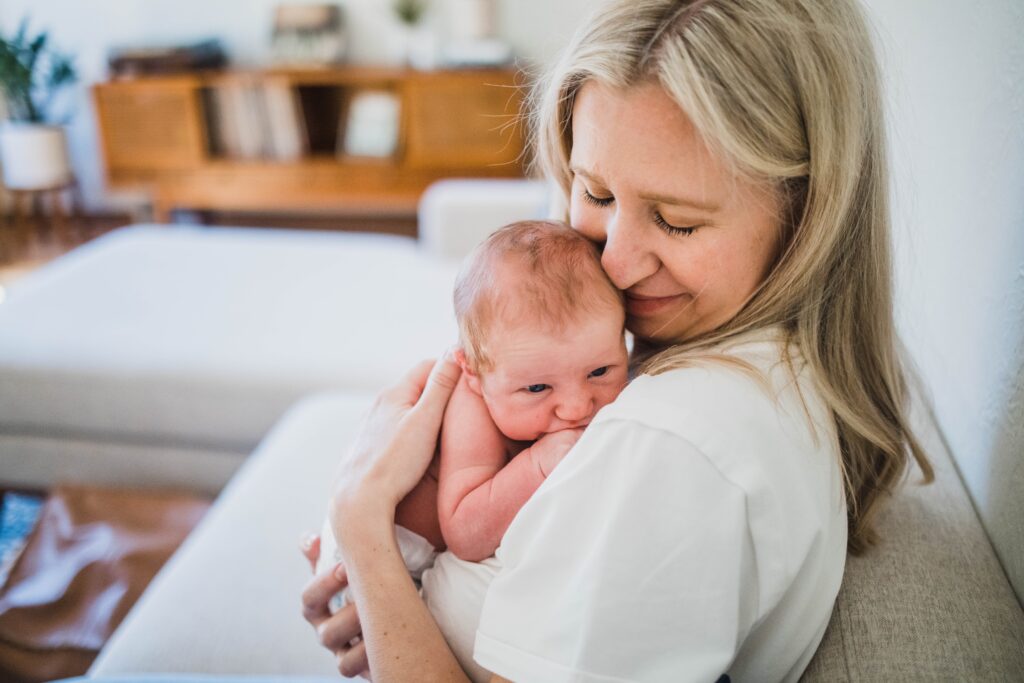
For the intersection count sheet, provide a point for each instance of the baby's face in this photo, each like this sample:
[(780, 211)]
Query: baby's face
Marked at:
[(543, 382)]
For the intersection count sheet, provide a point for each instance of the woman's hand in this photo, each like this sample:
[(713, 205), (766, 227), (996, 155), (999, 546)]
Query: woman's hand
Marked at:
[(393, 450), (336, 632), (391, 453)]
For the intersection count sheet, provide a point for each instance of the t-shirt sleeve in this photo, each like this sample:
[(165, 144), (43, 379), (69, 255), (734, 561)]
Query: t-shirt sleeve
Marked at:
[(633, 561)]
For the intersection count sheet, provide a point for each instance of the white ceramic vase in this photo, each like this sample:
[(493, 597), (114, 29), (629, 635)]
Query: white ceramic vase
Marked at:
[(34, 156), (417, 47)]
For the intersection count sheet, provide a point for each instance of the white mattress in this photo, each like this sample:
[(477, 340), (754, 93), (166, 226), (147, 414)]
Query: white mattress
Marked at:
[(193, 337)]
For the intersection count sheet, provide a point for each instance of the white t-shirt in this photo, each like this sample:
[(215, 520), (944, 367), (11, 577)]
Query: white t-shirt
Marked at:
[(697, 528)]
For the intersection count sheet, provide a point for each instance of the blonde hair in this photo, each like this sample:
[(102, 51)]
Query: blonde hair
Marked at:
[(543, 272), (787, 93)]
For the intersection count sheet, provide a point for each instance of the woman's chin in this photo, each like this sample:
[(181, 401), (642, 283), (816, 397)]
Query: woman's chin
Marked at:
[(659, 332)]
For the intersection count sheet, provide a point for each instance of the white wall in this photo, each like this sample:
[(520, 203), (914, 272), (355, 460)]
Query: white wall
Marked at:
[(955, 76), (955, 81)]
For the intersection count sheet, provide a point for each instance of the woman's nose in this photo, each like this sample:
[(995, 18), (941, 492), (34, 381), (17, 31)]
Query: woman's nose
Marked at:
[(575, 406), (627, 258)]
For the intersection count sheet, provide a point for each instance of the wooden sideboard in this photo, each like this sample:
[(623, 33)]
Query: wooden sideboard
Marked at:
[(159, 133)]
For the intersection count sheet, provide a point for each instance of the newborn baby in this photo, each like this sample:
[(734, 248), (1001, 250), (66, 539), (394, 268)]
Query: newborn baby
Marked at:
[(541, 330)]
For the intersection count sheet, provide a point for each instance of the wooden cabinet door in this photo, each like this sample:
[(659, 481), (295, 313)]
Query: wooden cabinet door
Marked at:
[(463, 120), (150, 125)]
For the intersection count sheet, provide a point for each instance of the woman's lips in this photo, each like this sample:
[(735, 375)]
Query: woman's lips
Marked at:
[(643, 306)]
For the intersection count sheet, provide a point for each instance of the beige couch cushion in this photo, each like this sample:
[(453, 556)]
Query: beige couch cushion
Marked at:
[(228, 601)]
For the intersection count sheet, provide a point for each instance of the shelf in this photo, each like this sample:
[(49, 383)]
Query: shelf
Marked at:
[(170, 134)]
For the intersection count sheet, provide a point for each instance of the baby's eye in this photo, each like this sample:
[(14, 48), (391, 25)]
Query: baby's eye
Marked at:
[(536, 388), (600, 371)]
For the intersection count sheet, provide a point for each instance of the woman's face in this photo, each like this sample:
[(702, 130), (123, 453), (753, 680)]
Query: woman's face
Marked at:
[(686, 240)]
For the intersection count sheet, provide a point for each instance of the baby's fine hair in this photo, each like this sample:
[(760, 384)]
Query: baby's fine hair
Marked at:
[(529, 272)]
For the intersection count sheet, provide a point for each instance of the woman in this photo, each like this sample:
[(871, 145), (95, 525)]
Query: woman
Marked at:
[(728, 158)]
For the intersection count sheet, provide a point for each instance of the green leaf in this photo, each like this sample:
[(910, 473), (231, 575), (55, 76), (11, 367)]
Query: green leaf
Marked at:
[(31, 73)]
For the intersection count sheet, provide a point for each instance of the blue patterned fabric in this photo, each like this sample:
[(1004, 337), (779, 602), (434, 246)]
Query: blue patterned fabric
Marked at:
[(17, 518)]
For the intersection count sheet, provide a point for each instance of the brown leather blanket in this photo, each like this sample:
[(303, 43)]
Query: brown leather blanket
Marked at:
[(87, 561)]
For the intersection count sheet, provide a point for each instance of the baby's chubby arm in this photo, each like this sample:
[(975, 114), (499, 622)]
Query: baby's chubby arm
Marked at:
[(480, 490)]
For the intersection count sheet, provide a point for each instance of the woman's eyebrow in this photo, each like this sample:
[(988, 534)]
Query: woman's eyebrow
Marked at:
[(586, 174), (708, 206)]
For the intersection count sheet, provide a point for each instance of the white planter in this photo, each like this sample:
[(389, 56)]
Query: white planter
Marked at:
[(34, 156)]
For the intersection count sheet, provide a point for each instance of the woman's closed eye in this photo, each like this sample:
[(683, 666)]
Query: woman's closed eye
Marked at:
[(678, 230), (595, 200)]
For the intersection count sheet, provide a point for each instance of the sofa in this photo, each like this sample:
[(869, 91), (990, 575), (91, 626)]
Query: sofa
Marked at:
[(163, 354), (153, 393)]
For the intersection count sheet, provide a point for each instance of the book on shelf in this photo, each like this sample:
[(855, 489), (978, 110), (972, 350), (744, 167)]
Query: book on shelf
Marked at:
[(254, 121), (369, 126)]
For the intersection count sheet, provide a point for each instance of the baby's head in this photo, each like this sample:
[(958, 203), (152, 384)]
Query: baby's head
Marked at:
[(541, 328)]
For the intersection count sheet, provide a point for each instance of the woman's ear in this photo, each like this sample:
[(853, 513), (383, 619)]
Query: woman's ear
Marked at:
[(472, 379)]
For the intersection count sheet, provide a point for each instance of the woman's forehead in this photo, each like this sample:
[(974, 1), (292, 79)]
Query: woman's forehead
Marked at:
[(639, 135)]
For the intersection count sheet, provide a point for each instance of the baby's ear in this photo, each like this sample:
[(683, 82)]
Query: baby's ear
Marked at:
[(472, 379)]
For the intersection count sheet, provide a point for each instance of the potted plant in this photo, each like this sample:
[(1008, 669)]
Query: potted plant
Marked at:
[(33, 152)]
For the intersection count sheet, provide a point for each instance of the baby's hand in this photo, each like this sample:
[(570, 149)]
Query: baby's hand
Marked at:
[(549, 449)]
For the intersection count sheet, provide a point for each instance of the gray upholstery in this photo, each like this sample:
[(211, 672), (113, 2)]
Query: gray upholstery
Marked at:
[(931, 603)]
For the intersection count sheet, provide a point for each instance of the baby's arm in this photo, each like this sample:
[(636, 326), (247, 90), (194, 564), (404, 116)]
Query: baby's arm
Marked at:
[(480, 490)]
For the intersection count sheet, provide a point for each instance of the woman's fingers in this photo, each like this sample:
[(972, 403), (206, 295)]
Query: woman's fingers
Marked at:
[(337, 632), (354, 662), (410, 387), (310, 547), (440, 384), (318, 593)]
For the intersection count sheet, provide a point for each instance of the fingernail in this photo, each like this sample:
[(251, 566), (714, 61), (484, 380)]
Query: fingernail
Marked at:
[(307, 540), (339, 572)]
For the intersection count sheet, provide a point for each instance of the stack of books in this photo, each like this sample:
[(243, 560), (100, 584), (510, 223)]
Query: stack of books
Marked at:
[(253, 121)]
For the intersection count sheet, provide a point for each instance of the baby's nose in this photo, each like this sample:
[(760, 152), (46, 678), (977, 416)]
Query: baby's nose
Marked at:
[(576, 407)]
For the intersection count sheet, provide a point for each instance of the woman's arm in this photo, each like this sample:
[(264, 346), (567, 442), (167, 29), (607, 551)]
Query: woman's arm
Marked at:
[(391, 454), (403, 643)]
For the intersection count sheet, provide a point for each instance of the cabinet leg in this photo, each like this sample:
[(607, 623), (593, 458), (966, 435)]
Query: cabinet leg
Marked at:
[(61, 233)]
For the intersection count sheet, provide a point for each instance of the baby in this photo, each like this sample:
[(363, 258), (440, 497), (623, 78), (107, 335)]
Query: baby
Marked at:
[(541, 330)]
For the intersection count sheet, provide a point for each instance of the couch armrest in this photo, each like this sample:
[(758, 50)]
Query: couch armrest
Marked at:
[(227, 603), (455, 215)]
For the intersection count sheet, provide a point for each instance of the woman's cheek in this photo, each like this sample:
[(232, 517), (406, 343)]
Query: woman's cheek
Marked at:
[(586, 220)]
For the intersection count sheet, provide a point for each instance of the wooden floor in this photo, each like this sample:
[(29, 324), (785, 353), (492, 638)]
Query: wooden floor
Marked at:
[(28, 243)]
